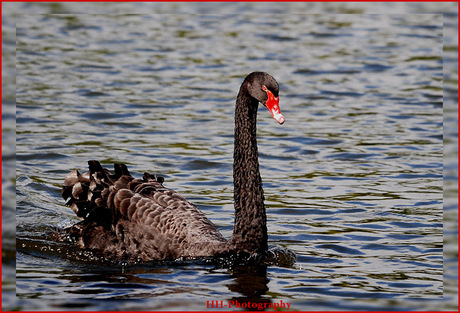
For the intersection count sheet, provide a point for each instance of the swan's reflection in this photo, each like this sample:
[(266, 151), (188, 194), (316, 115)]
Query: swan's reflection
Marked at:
[(251, 283)]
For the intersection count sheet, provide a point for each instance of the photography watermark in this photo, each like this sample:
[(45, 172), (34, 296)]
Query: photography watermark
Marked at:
[(235, 304)]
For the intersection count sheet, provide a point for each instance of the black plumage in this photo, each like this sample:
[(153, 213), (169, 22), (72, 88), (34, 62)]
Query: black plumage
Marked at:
[(141, 220)]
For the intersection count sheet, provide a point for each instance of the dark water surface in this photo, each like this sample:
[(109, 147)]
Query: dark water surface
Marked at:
[(353, 180)]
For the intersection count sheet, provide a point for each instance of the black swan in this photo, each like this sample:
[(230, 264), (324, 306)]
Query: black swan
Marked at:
[(141, 220)]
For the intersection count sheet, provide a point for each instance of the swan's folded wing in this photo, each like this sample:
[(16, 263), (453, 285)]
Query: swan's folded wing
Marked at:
[(143, 217)]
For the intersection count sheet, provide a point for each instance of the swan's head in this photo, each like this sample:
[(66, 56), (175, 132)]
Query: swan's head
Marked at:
[(264, 88)]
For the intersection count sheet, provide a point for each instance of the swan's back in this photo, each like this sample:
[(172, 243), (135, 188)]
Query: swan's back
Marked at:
[(137, 219)]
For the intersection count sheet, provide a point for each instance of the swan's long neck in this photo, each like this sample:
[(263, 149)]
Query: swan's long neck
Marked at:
[(250, 229)]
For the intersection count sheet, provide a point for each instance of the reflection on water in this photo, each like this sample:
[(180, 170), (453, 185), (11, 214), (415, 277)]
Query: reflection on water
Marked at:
[(353, 179)]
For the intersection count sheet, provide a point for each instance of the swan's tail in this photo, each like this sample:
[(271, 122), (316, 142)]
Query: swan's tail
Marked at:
[(88, 194)]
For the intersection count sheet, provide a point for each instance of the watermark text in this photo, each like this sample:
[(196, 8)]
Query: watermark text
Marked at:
[(235, 304)]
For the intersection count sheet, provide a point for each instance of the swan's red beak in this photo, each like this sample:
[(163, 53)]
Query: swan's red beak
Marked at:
[(273, 106)]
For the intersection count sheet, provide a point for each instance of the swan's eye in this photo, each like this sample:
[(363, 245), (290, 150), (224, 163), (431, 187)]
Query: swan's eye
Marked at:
[(264, 88)]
